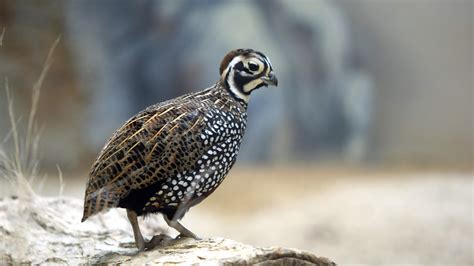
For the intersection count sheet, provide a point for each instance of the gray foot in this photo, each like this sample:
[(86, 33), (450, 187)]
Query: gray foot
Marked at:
[(156, 241)]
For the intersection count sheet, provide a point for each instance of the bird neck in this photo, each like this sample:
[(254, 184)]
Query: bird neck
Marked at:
[(234, 91)]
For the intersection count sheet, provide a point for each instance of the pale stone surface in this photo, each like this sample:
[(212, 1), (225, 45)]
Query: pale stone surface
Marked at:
[(47, 230)]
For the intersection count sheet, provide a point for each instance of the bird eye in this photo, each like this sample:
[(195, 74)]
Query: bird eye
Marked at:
[(253, 66)]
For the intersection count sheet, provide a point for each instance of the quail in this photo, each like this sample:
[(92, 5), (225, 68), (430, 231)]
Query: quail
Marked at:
[(172, 155)]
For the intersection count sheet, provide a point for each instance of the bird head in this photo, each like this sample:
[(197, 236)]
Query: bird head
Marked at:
[(244, 70)]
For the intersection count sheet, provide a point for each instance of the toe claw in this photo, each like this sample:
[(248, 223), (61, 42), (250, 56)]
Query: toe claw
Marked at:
[(193, 236)]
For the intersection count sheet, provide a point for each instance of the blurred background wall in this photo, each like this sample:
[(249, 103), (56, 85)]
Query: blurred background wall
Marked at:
[(370, 82), (420, 54)]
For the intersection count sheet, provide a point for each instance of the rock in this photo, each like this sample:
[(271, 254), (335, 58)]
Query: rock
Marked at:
[(41, 230)]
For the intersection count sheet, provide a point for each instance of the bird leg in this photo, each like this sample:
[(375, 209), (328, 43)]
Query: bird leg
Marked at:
[(139, 241), (183, 231)]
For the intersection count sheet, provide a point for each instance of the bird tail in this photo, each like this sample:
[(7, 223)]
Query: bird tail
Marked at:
[(99, 201)]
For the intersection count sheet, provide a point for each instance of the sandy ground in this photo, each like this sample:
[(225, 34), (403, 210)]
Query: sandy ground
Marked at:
[(353, 216)]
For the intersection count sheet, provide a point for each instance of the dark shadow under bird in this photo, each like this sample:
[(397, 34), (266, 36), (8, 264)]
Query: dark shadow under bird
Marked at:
[(172, 155)]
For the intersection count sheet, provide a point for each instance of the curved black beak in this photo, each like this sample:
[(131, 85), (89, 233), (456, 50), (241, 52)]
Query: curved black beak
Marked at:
[(270, 79)]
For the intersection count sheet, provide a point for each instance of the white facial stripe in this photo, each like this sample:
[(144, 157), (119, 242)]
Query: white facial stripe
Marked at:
[(234, 61), (245, 74), (269, 63), (252, 85), (235, 90)]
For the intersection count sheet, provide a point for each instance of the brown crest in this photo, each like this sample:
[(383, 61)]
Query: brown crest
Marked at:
[(230, 55)]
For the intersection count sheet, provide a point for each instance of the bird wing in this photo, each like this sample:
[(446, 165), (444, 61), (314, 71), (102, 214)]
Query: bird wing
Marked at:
[(157, 143)]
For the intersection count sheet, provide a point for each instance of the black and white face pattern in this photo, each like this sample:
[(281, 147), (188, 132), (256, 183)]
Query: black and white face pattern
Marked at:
[(244, 70)]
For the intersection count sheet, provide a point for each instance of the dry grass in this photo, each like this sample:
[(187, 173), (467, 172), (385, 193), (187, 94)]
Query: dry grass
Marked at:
[(2, 34), (20, 166)]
